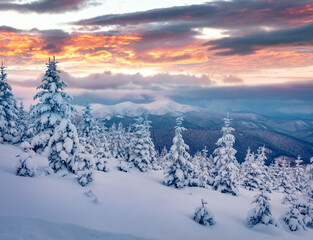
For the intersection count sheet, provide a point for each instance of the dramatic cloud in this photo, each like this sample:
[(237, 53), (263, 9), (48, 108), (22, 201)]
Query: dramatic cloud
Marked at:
[(261, 41), (220, 14), (250, 25), (45, 6), (292, 37)]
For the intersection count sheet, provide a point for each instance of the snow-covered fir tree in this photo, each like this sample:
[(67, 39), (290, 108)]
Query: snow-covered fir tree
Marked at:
[(67, 153), (254, 171), (151, 148), (120, 138), (63, 145), (82, 165), (123, 164), (288, 184), (8, 110), (128, 142), (88, 125), (203, 216), (113, 142), (202, 166), (53, 106), (249, 158), (309, 180), (142, 153), (101, 158), (180, 168), (299, 174), (88, 131), (25, 166), (290, 196), (195, 178), (22, 122), (248, 171), (285, 181), (102, 153), (226, 165), (162, 157), (274, 170), (299, 216), (261, 213)]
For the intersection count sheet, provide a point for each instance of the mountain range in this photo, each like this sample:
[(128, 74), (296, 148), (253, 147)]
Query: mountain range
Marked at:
[(282, 137)]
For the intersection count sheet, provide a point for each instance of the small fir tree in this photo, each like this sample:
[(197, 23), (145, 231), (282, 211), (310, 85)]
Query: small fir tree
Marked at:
[(83, 166), (62, 146), (25, 166), (203, 216), (101, 160), (299, 216), (261, 213)]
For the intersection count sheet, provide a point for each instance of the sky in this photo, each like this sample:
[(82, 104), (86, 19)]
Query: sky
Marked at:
[(136, 50)]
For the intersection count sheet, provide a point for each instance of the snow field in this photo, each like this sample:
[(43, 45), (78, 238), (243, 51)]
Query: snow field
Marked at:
[(132, 203)]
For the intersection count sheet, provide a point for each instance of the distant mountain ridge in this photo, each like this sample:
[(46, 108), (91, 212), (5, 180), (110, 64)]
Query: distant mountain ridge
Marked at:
[(129, 109), (282, 137)]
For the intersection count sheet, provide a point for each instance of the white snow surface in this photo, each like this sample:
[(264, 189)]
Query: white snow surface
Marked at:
[(118, 203), (160, 106)]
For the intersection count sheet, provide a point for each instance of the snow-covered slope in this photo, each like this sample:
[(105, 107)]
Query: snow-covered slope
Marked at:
[(159, 107), (118, 203)]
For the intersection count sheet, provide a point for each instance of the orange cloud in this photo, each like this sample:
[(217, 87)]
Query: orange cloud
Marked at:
[(82, 53)]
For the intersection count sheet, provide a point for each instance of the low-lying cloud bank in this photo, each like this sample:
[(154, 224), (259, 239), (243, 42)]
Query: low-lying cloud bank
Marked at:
[(201, 91)]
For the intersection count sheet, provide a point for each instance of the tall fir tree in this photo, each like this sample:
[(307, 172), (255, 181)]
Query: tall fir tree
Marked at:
[(141, 155), (54, 112), (151, 148), (226, 165), (8, 111), (180, 169), (53, 106)]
